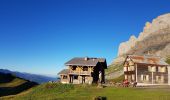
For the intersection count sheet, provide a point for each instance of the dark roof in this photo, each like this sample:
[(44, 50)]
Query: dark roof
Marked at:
[(147, 59), (64, 72), (85, 61)]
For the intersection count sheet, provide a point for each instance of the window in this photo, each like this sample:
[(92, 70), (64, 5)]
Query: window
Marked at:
[(126, 77), (76, 77), (160, 78), (161, 69), (131, 68), (133, 77), (125, 69), (85, 68), (131, 63), (74, 67), (151, 68), (144, 77), (64, 77)]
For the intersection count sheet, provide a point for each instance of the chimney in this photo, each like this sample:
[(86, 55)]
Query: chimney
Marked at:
[(86, 58)]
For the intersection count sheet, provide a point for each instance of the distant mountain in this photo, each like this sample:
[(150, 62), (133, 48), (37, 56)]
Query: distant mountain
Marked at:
[(31, 77), (11, 85)]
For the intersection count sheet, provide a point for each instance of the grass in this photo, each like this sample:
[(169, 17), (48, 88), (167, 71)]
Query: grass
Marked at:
[(118, 79), (11, 85), (168, 60), (114, 68), (56, 91)]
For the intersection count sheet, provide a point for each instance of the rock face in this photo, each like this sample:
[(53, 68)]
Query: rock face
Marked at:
[(155, 39)]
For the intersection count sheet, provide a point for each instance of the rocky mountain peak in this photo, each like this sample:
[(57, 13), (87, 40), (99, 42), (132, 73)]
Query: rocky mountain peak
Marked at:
[(160, 23), (155, 39)]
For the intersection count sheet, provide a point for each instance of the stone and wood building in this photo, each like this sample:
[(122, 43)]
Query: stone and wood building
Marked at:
[(146, 70), (84, 70)]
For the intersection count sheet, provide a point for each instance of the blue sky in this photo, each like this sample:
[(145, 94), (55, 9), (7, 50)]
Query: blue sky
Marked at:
[(39, 36)]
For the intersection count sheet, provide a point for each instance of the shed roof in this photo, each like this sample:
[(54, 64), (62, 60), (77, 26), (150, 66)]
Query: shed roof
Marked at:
[(147, 59), (64, 72)]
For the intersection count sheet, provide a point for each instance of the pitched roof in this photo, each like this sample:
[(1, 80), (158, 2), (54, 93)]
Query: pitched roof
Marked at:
[(147, 59), (64, 72), (85, 61)]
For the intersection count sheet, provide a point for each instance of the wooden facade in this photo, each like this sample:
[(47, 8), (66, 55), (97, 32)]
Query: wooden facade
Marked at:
[(146, 69), (84, 70)]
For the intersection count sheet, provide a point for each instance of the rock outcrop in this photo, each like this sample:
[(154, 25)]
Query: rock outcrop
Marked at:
[(155, 39)]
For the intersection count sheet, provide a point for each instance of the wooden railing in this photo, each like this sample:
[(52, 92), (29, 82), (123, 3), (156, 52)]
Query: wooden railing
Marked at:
[(80, 72)]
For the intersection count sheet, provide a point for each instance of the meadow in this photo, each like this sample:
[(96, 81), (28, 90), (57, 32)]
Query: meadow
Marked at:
[(57, 91)]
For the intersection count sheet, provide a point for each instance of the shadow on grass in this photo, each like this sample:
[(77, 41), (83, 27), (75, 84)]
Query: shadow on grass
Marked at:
[(6, 78), (100, 98), (4, 91)]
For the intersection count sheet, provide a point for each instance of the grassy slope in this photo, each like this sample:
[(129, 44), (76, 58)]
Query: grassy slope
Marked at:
[(113, 68), (168, 60), (11, 85), (118, 79), (86, 92)]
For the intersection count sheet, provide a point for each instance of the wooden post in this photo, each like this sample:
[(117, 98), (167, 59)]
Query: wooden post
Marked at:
[(152, 77), (90, 70), (152, 72), (70, 79), (136, 72), (168, 75), (78, 69)]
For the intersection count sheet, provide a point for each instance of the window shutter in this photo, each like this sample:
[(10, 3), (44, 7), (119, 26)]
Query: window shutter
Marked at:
[(141, 77), (157, 78), (159, 69), (147, 77), (125, 68), (126, 77), (133, 77), (132, 68), (153, 69), (149, 68), (129, 68), (162, 78), (163, 69)]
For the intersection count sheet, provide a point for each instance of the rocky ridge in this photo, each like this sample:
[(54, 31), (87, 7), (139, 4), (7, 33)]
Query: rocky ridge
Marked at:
[(155, 39)]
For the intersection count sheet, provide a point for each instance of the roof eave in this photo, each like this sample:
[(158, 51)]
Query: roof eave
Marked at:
[(151, 64), (78, 65)]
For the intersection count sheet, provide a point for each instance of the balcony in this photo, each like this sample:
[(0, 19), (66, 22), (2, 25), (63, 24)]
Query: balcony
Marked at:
[(130, 68), (80, 72)]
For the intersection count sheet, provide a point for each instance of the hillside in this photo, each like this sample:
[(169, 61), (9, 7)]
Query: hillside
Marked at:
[(32, 77), (168, 60), (57, 91), (114, 71), (11, 85)]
